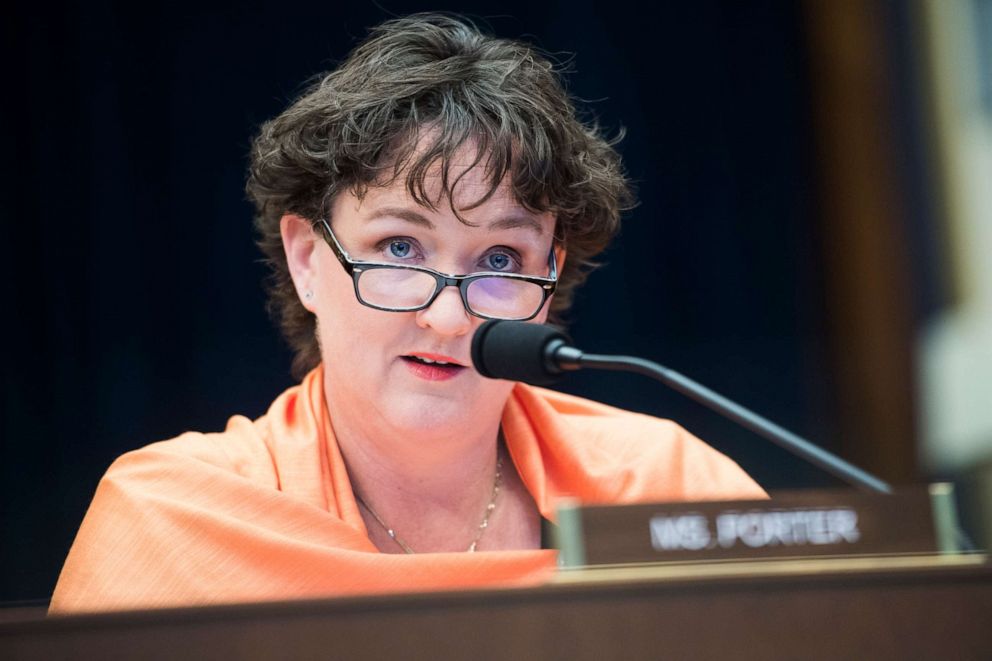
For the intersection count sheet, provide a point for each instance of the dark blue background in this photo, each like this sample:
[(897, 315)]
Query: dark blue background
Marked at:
[(132, 292)]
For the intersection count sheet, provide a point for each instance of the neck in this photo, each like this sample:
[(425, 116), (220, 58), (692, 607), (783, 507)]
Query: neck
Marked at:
[(431, 488)]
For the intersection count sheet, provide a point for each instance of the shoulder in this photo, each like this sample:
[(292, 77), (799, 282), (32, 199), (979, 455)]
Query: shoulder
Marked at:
[(639, 457), (282, 450), (200, 505)]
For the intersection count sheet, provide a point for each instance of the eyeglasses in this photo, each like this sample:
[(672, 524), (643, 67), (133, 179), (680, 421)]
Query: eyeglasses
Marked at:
[(402, 288)]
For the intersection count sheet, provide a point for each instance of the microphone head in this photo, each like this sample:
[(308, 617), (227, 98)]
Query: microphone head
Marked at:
[(516, 351)]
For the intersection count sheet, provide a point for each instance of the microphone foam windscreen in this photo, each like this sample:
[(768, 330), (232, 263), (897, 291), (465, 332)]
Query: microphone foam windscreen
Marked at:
[(514, 350)]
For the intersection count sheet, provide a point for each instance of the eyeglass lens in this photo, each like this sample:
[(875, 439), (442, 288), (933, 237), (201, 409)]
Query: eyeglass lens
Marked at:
[(395, 288), (503, 298)]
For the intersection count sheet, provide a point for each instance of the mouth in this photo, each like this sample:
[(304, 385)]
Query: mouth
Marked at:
[(433, 367)]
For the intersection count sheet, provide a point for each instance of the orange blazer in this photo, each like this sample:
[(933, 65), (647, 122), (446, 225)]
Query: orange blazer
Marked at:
[(264, 510)]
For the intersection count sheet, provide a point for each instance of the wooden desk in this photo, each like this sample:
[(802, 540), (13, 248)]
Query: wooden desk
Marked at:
[(854, 608)]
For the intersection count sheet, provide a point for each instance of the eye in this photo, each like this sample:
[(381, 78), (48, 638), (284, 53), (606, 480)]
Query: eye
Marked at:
[(400, 248), (500, 261)]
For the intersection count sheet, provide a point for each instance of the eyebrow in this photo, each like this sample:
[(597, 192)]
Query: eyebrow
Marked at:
[(511, 221), (402, 213), (516, 220)]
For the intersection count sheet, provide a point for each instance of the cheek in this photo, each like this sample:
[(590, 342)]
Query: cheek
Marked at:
[(341, 319), (542, 316)]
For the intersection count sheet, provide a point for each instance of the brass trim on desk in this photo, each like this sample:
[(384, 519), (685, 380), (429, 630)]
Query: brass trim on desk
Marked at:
[(670, 571)]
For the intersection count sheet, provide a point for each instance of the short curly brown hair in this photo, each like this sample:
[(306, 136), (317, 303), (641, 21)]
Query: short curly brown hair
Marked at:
[(364, 123)]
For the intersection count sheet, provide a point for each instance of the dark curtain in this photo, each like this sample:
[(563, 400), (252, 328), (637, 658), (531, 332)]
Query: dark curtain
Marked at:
[(133, 308)]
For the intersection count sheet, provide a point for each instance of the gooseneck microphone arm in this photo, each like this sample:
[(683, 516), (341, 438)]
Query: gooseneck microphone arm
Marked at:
[(539, 354), (569, 358)]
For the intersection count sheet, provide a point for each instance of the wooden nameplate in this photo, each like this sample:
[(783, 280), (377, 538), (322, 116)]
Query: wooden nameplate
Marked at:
[(791, 524)]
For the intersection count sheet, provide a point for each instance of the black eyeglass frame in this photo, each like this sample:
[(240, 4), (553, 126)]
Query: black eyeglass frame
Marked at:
[(355, 269)]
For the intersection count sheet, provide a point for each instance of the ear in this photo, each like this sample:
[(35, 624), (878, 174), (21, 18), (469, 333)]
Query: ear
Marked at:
[(300, 243), (560, 254)]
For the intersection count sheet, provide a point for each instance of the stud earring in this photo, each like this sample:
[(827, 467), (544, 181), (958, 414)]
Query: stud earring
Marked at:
[(308, 295)]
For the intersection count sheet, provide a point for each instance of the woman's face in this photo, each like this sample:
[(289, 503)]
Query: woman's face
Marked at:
[(376, 362)]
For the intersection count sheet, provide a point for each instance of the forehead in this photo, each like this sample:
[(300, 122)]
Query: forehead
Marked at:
[(461, 187)]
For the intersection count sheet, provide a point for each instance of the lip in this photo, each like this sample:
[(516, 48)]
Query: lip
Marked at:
[(436, 357), (433, 372)]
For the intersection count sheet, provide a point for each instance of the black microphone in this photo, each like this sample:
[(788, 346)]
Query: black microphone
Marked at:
[(519, 351), (539, 354)]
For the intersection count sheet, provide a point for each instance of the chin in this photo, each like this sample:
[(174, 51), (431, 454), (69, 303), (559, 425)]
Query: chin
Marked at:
[(428, 413)]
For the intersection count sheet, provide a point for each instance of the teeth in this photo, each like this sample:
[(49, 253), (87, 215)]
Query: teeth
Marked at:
[(429, 361)]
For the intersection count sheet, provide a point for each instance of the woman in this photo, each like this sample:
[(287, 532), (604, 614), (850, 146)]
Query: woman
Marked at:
[(433, 150)]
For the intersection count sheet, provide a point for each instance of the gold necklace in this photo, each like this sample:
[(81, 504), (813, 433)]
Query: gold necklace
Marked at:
[(490, 508)]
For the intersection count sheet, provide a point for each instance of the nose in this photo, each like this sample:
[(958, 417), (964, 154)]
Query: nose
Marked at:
[(447, 314)]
